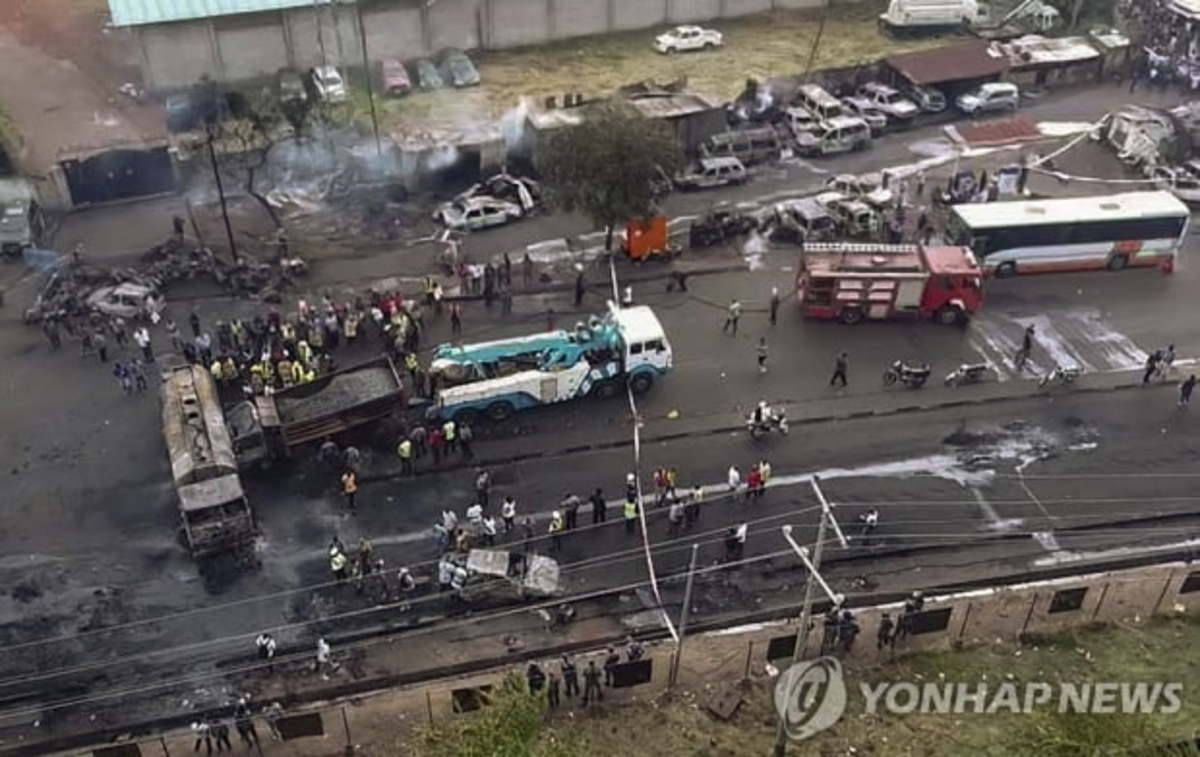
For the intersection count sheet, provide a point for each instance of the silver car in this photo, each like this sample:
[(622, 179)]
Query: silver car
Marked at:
[(863, 108), (998, 95)]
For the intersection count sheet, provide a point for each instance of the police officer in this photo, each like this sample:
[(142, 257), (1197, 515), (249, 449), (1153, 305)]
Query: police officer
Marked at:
[(570, 675), (405, 451), (631, 514)]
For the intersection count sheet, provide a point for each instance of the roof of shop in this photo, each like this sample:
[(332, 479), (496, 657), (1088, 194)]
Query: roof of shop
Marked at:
[(969, 60), (1034, 49), (139, 12), (674, 105)]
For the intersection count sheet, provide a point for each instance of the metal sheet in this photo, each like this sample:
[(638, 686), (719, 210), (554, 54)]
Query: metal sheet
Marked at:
[(138, 12)]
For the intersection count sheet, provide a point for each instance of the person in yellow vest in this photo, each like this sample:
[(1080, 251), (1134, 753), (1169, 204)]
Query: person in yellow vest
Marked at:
[(555, 530), (268, 372), (304, 352), (297, 372), (337, 562), (631, 514), (350, 327), (405, 450), (450, 436), (229, 369), (350, 489), (217, 372), (284, 369), (309, 375), (258, 380)]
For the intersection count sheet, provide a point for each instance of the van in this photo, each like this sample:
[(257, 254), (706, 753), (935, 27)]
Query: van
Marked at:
[(799, 120), (835, 135), (747, 145), (817, 101), (713, 172)]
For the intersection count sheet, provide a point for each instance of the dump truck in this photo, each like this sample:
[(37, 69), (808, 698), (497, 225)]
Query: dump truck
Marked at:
[(214, 513), (271, 426)]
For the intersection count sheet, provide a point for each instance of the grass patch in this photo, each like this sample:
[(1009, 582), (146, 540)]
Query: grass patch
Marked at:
[(765, 45)]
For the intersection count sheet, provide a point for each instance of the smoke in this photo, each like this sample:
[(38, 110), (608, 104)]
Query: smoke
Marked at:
[(440, 158), (42, 261), (512, 124)]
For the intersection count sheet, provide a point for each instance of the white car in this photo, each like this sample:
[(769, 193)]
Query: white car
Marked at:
[(687, 38), (330, 85), (894, 105), (126, 300), (476, 213), (998, 95)]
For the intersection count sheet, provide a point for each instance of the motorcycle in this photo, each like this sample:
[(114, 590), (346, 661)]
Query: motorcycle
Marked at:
[(968, 373), (1060, 375), (771, 419), (912, 376)]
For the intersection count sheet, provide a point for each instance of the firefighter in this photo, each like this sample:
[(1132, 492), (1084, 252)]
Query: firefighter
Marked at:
[(337, 562)]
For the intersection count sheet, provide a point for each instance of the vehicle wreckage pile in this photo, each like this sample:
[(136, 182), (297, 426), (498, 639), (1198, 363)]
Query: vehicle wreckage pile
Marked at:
[(77, 287)]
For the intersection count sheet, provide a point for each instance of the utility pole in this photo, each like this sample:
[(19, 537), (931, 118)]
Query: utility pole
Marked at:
[(683, 618), (814, 577), (812, 53), (212, 158), (366, 61)]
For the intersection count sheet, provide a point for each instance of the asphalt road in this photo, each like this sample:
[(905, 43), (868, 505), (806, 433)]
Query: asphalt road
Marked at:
[(88, 535)]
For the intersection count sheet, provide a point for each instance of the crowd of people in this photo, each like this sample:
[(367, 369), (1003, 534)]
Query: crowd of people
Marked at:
[(1170, 45)]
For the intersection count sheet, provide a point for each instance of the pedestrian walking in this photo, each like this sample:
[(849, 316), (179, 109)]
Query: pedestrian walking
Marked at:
[(1151, 366), (555, 530), (1165, 362), (774, 305), (847, 631), (591, 683), (611, 660), (732, 314), (337, 561), (456, 319), (675, 517), (203, 733), (141, 336), (691, 511), (1185, 390), (869, 520), (579, 288), (840, 365), (194, 321), (350, 489), (570, 507), (753, 481), (466, 435), (450, 436), (733, 478), (245, 728), (1026, 348), (552, 689), (631, 514), (535, 677), (100, 343), (265, 646), (599, 507), (569, 675), (527, 270), (885, 636), (508, 513), (404, 450), (489, 531), (483, 485), (475, 515), (220, 732), (325, 664), (437, 443), (762, 354)]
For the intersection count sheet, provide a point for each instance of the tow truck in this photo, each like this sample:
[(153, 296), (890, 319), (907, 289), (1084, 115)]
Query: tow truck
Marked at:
[(626, 347), (855, 282)]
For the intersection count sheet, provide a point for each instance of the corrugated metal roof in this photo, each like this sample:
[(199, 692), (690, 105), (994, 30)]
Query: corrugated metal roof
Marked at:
[(139, 12), (968, 60)]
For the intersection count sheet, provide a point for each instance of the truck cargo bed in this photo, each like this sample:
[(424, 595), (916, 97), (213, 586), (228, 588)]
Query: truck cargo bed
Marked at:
[(339, 401)]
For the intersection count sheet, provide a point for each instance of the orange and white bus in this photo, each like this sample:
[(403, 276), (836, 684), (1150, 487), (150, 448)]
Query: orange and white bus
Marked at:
[(1072, 234)]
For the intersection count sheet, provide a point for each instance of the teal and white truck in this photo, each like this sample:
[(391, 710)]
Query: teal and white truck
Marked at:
[(626, 347)]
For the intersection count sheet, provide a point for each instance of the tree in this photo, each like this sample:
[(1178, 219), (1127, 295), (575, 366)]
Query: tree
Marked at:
[(509, 725), (605, 167)]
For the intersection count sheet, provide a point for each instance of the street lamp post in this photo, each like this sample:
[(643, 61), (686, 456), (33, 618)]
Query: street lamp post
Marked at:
[(814, 578), (212, 158)]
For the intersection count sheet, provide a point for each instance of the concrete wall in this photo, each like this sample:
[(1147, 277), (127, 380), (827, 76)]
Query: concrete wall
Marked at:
[(253, 45), (250, 47)]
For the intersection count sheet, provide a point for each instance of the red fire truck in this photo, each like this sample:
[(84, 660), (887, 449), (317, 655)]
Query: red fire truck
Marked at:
[(852, 282)]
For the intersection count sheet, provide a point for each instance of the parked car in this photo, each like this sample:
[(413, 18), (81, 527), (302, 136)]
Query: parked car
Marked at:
[(126, 300), (799, 120), (428, 76), (895, 106), (833, 136), (868, 187), (291, 86), (395, 77), (817, 100), (1182, 180), (747, 145), (712, 172), (458, 69), (928, 99), (687, 38), (861, 107), (328, 84), (997, 95), (476, 213)]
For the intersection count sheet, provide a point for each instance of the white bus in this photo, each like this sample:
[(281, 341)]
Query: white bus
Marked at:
[(1074, 234)]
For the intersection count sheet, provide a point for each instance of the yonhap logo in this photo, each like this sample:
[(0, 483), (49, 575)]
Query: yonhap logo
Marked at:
[(810, 697)]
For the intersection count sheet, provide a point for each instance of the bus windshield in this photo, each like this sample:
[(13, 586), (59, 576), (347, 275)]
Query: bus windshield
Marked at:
[(1074, 234)]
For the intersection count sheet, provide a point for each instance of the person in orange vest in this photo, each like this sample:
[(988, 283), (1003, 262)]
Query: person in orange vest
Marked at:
[(350, 488)]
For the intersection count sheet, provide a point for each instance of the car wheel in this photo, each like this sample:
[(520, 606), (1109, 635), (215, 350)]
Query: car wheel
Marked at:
[(500, 411), (1006, 270), (1117, 262), (948, 315), (641, 383), (671, 50), (851, 316)]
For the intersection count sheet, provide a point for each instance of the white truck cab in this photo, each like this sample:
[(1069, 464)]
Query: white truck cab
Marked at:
[(647, 351)]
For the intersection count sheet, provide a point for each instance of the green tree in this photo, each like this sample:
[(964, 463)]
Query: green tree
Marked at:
[(509, 725), (606, 166)]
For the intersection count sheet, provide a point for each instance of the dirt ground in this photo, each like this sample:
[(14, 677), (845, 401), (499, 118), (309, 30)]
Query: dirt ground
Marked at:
[(767, 45), (679, 724)]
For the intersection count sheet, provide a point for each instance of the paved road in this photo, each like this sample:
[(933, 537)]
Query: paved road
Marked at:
[(89, 535)]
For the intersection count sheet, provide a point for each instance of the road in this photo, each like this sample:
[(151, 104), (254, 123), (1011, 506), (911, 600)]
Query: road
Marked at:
[(89, 534)]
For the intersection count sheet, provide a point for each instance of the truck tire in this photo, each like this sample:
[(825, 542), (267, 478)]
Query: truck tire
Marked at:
[(640, 383), (1117, 263), (606, 390), (500, 411), (850, 315), (949, 315), (1006, 270)]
